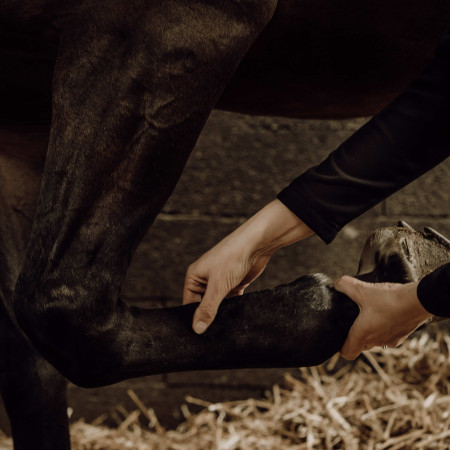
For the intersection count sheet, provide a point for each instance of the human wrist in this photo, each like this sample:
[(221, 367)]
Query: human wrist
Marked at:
[(273, 227)]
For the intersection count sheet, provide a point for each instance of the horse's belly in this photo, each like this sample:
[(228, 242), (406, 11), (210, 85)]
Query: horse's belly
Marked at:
[(335, 59), (316, 59)]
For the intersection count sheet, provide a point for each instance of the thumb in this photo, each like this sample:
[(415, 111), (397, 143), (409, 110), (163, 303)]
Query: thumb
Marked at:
[(352, 287), (354, 344), (207, 310)]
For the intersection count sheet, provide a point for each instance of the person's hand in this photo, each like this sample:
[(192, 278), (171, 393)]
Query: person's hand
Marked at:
[(389, 313), (230, 266), (225, 270)]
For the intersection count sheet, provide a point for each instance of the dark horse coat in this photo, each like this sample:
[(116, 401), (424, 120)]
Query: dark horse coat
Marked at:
[(127, 86)]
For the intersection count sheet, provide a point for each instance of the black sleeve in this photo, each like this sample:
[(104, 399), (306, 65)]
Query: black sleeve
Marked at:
[(434, 291), (406, 139)]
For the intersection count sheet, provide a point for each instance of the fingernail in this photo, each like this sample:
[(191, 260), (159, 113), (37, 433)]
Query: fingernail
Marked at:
[(200, 327)]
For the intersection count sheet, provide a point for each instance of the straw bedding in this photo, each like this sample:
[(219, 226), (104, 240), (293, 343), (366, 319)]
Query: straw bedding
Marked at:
[(388, 399)]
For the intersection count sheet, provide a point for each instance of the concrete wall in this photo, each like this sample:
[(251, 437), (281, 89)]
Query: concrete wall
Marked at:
[(238, 165)]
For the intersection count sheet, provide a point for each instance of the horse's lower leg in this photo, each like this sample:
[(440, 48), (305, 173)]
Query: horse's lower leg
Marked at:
[(32, 390)]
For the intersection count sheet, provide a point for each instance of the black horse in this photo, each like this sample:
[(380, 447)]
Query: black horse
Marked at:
[(113, 95)]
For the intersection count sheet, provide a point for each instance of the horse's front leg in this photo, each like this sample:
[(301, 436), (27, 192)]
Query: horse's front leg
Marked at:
[(134, 84)]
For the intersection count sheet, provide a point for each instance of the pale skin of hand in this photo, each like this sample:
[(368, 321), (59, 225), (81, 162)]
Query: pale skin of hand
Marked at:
[(389, 313), (231, 265)]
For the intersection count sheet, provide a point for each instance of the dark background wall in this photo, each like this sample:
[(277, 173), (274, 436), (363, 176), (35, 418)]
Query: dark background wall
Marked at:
[(238, 165)]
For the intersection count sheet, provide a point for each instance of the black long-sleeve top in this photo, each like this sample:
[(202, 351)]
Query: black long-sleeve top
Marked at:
[(406, 139)]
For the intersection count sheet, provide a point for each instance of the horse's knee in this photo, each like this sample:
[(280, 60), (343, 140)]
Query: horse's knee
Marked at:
[(75, 334)]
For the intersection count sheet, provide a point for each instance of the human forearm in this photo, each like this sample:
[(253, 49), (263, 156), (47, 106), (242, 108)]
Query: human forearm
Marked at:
[(407, 138)]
